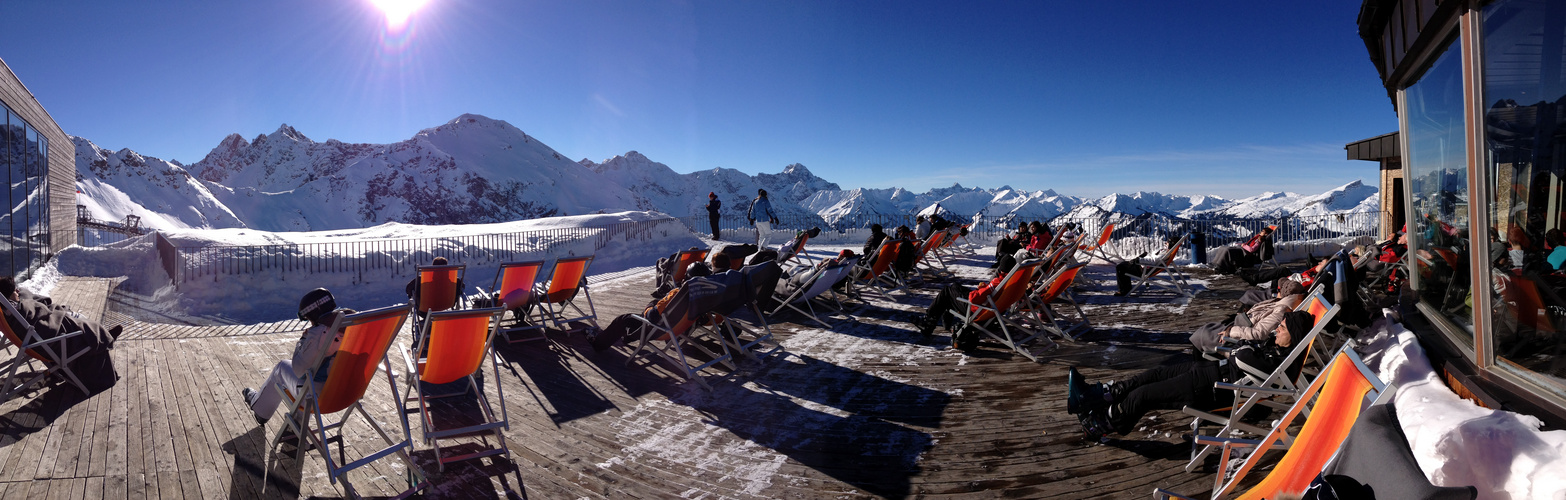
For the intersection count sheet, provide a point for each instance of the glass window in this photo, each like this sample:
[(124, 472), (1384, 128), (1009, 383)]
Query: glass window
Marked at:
[(6, 154), (22, 221), (1438, 183), (1525, 153)]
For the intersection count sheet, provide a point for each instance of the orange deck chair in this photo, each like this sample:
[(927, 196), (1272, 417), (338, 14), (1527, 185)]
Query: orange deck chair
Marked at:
[(686, 258), (1097, 249), (1163, 266), (1056, 289), (29, 347), (1345, 390), (1011, 290), (676, 328), (456, 344), (514, 286), (438, 290), (567, 282), (799, 250), (878, 272), (367, 336)]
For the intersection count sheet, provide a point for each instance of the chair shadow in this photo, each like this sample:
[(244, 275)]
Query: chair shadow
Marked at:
[(471, 478), (251, 462), (550, 365), (46, 406)]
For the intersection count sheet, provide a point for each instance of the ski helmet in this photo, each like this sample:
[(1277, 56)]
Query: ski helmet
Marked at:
[(315, 304)]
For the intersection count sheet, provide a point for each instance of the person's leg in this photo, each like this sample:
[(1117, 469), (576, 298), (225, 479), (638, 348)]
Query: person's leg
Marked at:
[(267, 398), (1165, 388), (714, 220), (1123, 273), (763, 233)]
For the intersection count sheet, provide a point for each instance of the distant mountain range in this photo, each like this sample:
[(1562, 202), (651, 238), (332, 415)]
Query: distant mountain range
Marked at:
[(474, 169)]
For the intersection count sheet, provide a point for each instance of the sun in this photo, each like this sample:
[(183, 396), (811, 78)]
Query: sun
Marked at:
[(398, 11)]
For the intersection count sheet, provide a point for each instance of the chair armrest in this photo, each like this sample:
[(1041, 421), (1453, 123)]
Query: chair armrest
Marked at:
[(407, 359), (1251, 388)]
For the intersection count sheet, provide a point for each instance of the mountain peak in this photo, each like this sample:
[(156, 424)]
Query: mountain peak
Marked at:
[(796, 169), (286, 131)]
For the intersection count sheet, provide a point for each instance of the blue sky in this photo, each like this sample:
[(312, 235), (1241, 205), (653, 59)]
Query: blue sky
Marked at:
[(1087, 98)]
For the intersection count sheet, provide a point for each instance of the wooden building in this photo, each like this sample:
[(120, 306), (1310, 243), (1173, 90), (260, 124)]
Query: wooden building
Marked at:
[(39, 162)]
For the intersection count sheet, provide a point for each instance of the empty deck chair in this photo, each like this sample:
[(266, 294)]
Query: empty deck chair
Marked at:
[(1162, 273), (1264, 388), (1056, 289), (456, 344), (567, 282), (990, 316), (366, 337), (818, 281), (929, 258), (514, 289), (1335, 401), (1097, 250), (438, 288), (798, 250), (674, 328), (51, 353)]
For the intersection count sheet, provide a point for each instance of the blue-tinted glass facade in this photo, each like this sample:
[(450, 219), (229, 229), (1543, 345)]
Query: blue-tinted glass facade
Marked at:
[(24, 228)]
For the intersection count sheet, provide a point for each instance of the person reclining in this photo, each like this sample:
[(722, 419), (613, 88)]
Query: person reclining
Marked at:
[(1259, 321), (1253, 252), (1115, 407), (786, 251), (798, 277), (319, 309), (51, 320), (1124, 271), (877, 234), (946, 300)]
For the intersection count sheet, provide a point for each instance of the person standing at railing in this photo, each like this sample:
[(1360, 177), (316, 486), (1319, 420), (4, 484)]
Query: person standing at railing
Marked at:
[(712, 212), (761, 208)]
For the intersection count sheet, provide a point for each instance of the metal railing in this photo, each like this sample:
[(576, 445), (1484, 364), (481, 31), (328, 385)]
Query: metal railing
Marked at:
[(394, 257)]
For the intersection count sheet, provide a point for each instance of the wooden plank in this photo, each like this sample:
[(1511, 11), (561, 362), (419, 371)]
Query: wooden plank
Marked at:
[(96, 447), (162, 446), (92, 488), (114, 488), (169, 487)]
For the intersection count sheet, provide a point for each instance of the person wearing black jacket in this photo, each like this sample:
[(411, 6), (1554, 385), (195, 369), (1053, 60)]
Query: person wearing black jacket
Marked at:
[(877, 234), (712, 212), (1116, 407)]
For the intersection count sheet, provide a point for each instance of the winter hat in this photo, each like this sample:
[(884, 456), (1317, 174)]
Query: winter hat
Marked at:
[(698, 269), (1300, 323), (845, 254), (315, 304), (712, 195), (1290, 287)]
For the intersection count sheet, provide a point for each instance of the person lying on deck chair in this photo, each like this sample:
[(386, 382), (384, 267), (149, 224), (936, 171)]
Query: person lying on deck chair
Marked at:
[(1258, 322), (1255, 250), (1125, 271), (51, 320), (625, 324), (1115, 407), (319, 309), (946, 300)]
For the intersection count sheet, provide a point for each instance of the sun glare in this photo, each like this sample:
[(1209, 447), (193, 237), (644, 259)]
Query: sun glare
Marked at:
[(398, 11)]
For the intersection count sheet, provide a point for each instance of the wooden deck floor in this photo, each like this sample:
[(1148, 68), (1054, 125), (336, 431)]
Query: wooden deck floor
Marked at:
[(866, 409)]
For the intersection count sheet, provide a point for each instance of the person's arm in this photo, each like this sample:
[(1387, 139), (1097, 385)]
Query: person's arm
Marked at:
[(1265, 317), (311, 347)]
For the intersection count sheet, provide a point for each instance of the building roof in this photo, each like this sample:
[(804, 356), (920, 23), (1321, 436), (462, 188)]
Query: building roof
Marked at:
[(1375, 148)]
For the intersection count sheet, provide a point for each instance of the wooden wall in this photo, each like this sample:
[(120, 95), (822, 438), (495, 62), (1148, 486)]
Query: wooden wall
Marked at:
[(62, 158)]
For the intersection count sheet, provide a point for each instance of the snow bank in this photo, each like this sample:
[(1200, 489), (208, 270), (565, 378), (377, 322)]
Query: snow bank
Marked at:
[(363, 268), (1457, 442)]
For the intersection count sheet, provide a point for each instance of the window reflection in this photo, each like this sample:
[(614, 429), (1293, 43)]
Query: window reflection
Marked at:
[(1525, 132), (1438, 182)]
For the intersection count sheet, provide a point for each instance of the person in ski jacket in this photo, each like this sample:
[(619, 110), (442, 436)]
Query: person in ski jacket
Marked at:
[(712, 212), (761, 217)]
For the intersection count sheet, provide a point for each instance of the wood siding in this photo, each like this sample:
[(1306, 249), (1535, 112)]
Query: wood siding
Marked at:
[(62, 159)]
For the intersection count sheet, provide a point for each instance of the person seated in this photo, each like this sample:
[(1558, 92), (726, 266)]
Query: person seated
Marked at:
[(922, 228), (938, 314), (1041, 238), (413, 285), (1124, 271), (654, 311), (796, 278), (1256, 324), (938, 223), (1115, 407), (877, 234), (319, 309), (720, 262), (786, 251), (1254, 251), (49, 320), (1009, 246), (1557, 241)]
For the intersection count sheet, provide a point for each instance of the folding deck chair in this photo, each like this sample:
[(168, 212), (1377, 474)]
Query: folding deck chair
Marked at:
[(366, 337), (514, 286), (438, 289), (566, 283), (928, 254), (799, 251), (744, 287), (1008, 293), (684, 260), (456, 344), (819, 280), (1056, 289), (675, 326), (1097, 249), (879, 271), (1340, 394), (52, 353), (1260, 387), (1173, 280)]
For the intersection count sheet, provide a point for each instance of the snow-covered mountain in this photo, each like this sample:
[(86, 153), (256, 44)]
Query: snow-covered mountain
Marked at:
[(474, 169)]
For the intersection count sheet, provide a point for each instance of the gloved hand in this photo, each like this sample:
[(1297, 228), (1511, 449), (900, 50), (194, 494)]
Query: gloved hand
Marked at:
[(774, 220), (752, 221)]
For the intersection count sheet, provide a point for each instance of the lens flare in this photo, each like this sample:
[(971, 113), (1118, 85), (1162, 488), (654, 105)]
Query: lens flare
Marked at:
[(398, 12)]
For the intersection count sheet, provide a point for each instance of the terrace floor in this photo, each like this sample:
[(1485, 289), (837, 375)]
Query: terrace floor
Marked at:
[(866, 409)]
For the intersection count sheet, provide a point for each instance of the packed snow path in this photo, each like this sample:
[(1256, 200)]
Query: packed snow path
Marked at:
[(864, 410)]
